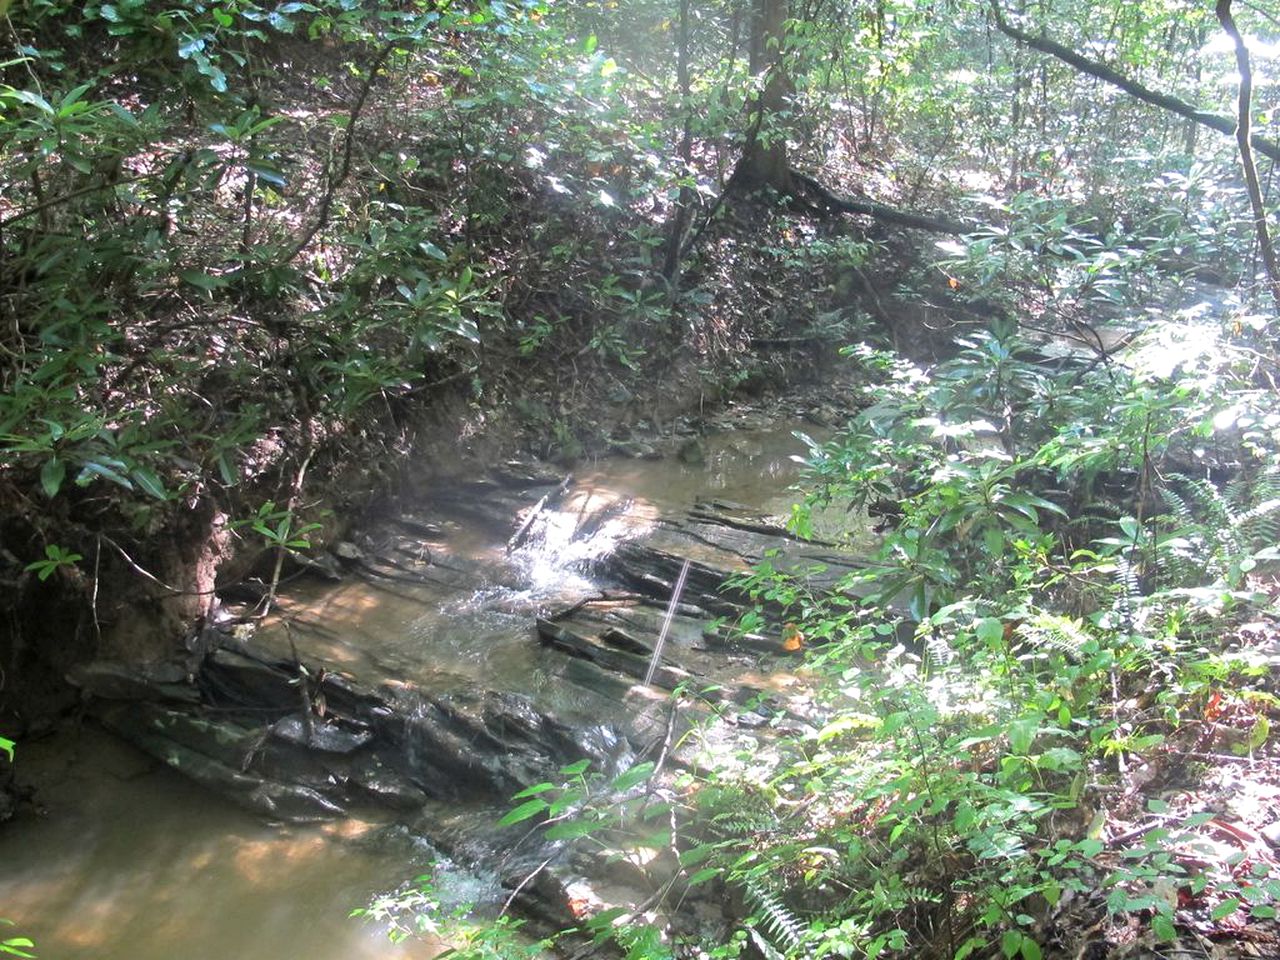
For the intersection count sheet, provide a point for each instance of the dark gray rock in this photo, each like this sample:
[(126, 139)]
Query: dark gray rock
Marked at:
[(325, 737), (148, 681)]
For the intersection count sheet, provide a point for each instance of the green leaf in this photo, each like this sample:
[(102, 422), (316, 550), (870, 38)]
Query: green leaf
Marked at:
[(533, 791), (1163, 927), (226, 471), (526, 810), (1011, 942), (52, 474), (266, 172), (6, 746), (702, 876), (637, 774), (1022, 733), (198, 278), (573, 769), (573, 829), (696, 855), (27, 97), (1030, 949), (96, 468), (1225, 909), (149, 482), (990, 630)]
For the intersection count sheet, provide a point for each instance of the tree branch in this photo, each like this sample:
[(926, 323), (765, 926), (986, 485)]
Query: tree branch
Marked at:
[(336, 180), (1268, 148), (1243, 110)]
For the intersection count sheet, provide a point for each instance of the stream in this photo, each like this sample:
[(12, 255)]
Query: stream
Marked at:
[(437, 618)]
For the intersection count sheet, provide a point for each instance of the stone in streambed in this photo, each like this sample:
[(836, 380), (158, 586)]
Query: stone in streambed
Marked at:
[(325, 737), (121, 681)]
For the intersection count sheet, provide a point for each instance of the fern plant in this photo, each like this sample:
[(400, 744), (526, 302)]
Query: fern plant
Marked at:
[(1219, 532)]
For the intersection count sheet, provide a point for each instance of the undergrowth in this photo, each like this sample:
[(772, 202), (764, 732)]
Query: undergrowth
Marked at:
[(1016, 695)]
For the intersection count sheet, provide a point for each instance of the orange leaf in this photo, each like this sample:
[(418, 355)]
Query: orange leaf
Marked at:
[(792, 638)]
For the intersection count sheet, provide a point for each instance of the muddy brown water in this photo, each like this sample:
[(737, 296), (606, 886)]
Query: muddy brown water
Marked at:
[(133, 861)]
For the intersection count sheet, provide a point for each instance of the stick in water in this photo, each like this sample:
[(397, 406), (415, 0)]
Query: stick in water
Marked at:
[(666, 622)]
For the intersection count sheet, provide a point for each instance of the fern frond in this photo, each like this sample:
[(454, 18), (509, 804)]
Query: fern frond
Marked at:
[(1260, 524), (938, 649), (1063, 634), (1179, 510), (783, 927)]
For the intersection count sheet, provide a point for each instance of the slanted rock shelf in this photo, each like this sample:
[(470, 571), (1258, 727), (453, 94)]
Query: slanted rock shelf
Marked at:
[(303, 739)]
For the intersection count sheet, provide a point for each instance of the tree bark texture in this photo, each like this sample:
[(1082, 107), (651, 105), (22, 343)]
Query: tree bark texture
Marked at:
[(764, 157)]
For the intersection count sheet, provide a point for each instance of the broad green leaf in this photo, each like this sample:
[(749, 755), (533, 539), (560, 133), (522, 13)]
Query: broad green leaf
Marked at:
[(573, 769), (1010, 943), (52, 474), (6, 746), (1022, 733), (96, 468), (266, 172), (1225, 909), (149, 482), (27, 97), (204, 281), (696, 855), (526, 810), (990, 630), (533, 791), (637, 774), (573, 829), (1163, 928)]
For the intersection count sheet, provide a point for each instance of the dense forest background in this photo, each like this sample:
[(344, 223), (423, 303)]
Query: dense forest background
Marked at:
[(248, 251)]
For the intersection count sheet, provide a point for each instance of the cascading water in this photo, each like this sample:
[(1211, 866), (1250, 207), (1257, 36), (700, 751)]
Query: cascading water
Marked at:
[(136, 862)]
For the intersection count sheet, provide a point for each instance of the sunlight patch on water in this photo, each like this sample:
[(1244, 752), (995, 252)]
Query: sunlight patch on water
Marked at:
[(563, 544)]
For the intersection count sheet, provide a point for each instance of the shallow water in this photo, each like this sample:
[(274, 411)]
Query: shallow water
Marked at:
[(132, 861)]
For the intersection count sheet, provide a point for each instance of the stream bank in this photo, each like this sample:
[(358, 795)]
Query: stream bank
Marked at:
[(454, 670)]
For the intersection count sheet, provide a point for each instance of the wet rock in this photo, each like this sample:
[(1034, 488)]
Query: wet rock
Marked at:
[(822, 415), (322, 565), (526, 473), (620, 394), (386, 787), (325, 737), (347, 551), (291, 801), (111, 680), (635, 450), (420, 527), (693, 452)]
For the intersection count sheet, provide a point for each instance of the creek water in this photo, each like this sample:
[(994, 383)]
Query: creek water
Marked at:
[(133, 861)]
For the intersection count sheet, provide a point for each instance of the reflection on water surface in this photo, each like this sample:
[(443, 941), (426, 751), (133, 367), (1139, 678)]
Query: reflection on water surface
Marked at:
[(134, 862)]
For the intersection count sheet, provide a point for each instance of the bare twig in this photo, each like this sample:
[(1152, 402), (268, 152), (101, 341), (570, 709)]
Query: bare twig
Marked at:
[(336, 179), (522, 884)]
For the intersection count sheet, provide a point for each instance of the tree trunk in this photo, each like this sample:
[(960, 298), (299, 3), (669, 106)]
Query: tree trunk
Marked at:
[(1243, 142), (764, 157)]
